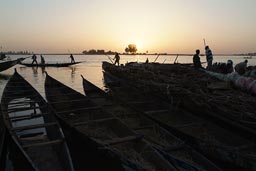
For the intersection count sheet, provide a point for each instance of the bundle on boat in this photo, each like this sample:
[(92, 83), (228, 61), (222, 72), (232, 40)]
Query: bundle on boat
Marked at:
[(192, 90), (215, 140)]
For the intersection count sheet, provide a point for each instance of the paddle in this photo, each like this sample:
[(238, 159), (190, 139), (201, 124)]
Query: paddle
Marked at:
[(109, 59), (156, 58), (176, 59)]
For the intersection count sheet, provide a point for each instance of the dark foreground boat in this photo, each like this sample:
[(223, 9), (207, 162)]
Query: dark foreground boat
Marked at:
[(172, 148), (225, 147), (33, 127), (2, 138), (195, 91), (101, 128), (8, 64), (50, 64)]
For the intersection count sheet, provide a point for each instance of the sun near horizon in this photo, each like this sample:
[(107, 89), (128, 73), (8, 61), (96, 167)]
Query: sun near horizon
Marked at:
[(154, 26)]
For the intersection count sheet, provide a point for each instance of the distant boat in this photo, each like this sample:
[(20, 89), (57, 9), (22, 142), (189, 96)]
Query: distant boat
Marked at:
[(8, 64), (51, 64), (248, 57)]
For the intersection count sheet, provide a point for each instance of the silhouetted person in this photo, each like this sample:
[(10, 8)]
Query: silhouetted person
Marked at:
[(42, 60), (209, 57), (196, 59), (34, 59), (240, 68), (72, 59), (147, 61), (230, 68), (117, 59)]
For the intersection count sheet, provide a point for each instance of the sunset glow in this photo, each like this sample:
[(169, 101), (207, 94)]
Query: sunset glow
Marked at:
[(156, 26)]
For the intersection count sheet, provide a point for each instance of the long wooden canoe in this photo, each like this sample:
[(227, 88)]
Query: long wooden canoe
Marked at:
[(101, 127), (175, 150), (50, 64), (33, 126), (189, 87), (2, 138), (8, 64), (219, 144)]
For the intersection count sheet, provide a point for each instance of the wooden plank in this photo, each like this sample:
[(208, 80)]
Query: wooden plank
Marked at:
[(122, 140), (144, 127), (33, 126), (156, 111), (91, 121), (77, 109), (24, 109), (27, 117), (25, 102), (189, 125), (64, 101), (34, 115), (53, 142)]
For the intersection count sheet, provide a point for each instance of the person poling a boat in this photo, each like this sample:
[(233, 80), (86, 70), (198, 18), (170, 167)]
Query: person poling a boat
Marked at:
[(42, 59), (34, 59), (72, 58), (117, 59)]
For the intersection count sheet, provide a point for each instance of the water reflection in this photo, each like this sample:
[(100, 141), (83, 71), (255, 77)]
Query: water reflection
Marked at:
[(34, 69), (73, 72), (43, 70)]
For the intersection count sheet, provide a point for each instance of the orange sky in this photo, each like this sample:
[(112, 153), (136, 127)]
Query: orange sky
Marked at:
[(171, 26)]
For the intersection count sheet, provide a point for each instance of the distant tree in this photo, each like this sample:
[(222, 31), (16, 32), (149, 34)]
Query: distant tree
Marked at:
[(131, 48)]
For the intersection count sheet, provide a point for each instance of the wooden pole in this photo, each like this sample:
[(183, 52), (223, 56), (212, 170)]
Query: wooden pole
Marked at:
[(156, 58), (176, 58)]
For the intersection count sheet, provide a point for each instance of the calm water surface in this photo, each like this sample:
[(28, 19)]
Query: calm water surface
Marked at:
[(90, 69)]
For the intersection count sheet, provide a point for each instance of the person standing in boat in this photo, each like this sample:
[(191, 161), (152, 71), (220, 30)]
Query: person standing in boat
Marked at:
[(240, 68), (209, 57), (42, 59), (72, 58), (34, 57), (117, 59), (196, 59)]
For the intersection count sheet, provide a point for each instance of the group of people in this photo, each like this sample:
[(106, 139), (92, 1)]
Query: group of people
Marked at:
[(209, 58), (240, 68), (34, 59)]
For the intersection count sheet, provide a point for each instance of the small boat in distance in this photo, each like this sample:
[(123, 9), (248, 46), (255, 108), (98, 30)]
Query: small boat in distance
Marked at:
[(51, 64), (248, 57), (8, 64)]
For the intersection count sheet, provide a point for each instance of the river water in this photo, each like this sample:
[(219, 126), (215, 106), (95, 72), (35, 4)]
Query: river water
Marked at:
[(90, 69)]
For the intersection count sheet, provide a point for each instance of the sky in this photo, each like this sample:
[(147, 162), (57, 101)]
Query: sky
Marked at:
[(156, 26)]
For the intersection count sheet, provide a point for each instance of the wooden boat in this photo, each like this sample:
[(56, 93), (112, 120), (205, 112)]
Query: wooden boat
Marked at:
[(33, 126), (175, 150), (2, 137), (8, 64), (50, 64), (211, 98), (101, 127), (225, 147)]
